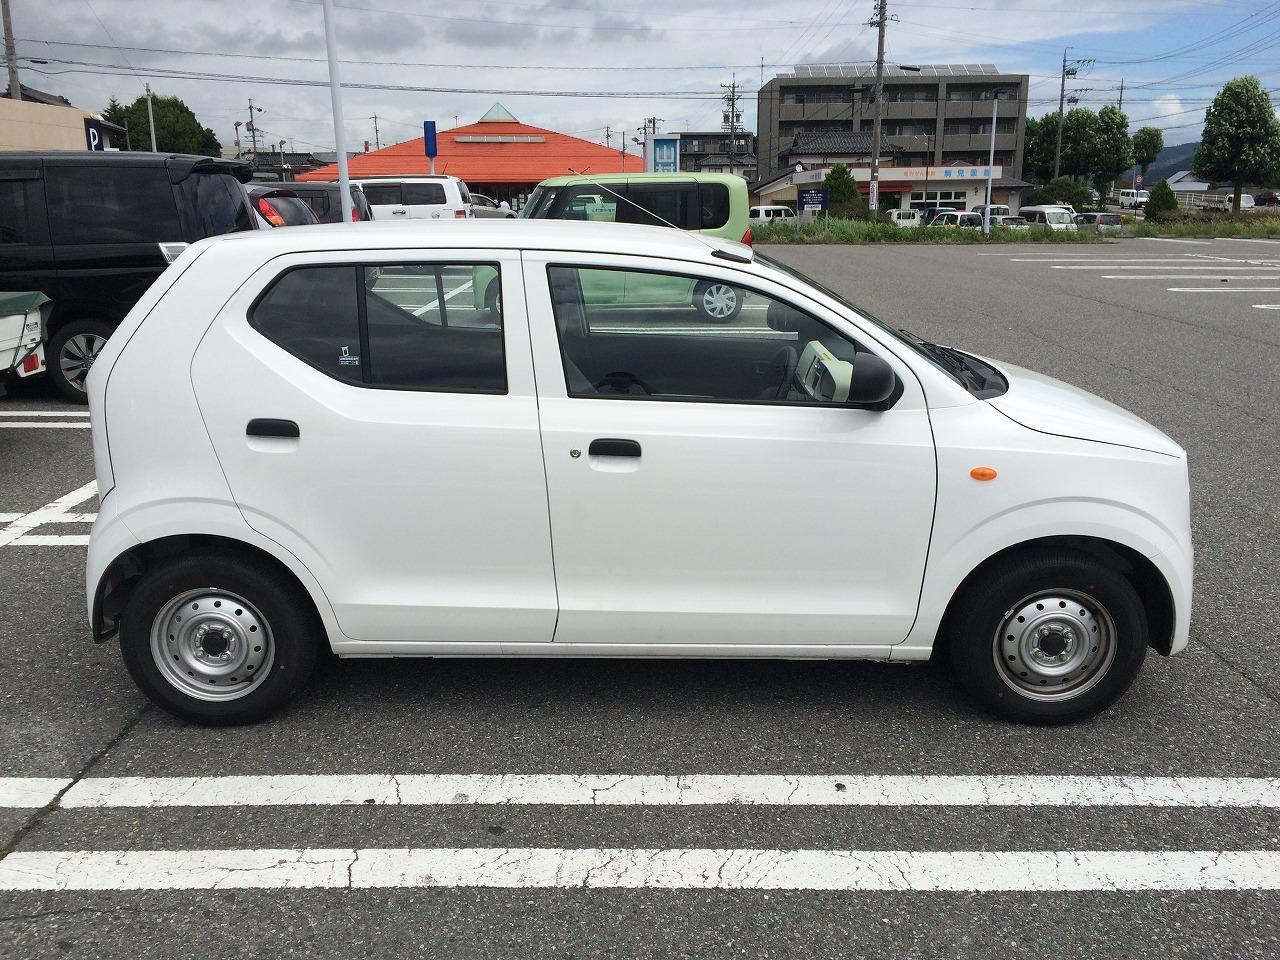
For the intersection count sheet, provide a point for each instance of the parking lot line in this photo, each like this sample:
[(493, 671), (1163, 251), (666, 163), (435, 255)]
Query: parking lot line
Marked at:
[(44, 413), (39, 425), (1223, 289), (652, 790), (18, 532), (627, 868), (1204, 243), (1193, 276), (1184, 265)]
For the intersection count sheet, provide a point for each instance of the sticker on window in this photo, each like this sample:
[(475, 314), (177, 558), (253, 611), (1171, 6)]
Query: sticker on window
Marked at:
[(348, 359)]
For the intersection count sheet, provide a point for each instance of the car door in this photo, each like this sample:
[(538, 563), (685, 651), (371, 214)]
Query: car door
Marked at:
[(692, 504), (385, 201), (378, 425)]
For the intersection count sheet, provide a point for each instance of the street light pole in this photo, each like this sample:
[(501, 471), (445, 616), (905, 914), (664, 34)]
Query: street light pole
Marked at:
[(151, 117), (335, 94), (991, 162)]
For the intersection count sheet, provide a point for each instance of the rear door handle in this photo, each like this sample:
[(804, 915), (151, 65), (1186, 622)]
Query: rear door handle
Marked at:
[(614, 448), (272, 428)]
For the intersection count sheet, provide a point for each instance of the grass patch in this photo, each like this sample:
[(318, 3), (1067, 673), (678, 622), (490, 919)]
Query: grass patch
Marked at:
[(866, 231), (1251, 226)]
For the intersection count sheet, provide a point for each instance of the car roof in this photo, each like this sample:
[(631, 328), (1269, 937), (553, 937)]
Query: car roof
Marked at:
[(486, 233), (679, 177), (181, 163), (392, 178)]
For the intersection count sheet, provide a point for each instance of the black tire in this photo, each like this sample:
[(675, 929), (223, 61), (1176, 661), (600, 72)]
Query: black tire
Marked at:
[(700, 303), (295, 630), (984, 618), (493, 297), (69, 388)]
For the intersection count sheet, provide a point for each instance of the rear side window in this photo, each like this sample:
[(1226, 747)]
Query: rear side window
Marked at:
[(715, 205), (466, 194), (660, 204), (318, 202), (213, 204), (15, 212), (111, 205), (382, 193), (431, 193), (428, 327)]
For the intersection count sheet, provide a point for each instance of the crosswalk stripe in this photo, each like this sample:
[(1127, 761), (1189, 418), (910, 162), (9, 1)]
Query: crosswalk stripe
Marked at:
[(648, 790), (663, 869)]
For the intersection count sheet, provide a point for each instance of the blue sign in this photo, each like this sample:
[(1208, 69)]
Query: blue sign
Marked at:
[(429, 138), (811, 198), (666, 155)]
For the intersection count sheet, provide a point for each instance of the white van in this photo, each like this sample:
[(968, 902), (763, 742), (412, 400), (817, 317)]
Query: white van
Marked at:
[(439, 197), (997, 209), (1133, 199), (771, 214), (906, 218), (1055, 216)]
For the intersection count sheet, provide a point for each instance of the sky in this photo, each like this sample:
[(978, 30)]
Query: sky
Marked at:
[(615, 63)]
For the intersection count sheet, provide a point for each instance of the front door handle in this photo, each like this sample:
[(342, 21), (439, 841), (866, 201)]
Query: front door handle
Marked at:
[(614, 448), (272, 428)]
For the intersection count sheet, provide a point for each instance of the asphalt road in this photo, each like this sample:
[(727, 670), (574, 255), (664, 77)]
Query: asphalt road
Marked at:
[(1203, 366)]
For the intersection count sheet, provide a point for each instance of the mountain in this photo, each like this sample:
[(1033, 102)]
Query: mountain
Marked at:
[(1170, 160)]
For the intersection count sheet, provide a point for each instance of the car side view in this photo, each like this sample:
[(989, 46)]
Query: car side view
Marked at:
[(322, 437)]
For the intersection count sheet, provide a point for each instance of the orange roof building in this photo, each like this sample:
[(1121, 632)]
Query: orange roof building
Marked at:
[(498, 156)]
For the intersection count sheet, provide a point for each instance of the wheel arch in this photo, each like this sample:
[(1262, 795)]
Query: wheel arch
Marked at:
[(1150, 584), (117, 582)]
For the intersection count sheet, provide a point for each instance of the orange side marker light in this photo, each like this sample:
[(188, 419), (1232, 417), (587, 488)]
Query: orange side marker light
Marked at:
[(982, 473)]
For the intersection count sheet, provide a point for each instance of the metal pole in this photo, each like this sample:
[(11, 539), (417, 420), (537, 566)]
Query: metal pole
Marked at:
[(873, 203), (1062, 102), (10, 53), (335, 93), (377, 140), (151, 117), (991, 162), (127, 144)]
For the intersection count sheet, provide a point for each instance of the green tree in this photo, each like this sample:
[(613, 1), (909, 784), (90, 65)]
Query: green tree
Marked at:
[(1039, 141), (1079, 143), (177, 129), (1241, 140), (1162, 200), (1062, 190), (1112, 148), (844, 200), (1147, 144)]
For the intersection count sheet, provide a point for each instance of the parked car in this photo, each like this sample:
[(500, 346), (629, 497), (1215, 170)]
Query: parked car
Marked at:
[(906, 218), (957, 218), (325, 201), (1223, 201), (482, 206), (1267, 198), (24, 318), (99, 228), (294, 453), (768, 214), (997, 209), (275, 206), (1010, 223), (438, 197), (1099, 222), (714, 204), (1055, 216), (931, 212), (1133, 199)]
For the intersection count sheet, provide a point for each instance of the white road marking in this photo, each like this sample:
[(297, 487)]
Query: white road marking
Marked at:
[(44, 413), (18, 532), (448, 296), (29, 791), (9, 517), (1266, 306), (1223, 289), (50, 540), (46, 425), (1103, 260), (1183, 265), (660, 790), (1192, 276), (1250, 240), (657, 869), (1203, 243)]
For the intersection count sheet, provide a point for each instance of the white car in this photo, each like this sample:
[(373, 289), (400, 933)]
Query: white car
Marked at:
[(770, 214), (907, 218), (435, 197), (482, 206), (324, 437), (1133, 199)]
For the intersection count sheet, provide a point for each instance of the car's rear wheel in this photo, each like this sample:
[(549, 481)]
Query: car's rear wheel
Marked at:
[(219, 640), (71, 353), (1051, 637), (717, 302)]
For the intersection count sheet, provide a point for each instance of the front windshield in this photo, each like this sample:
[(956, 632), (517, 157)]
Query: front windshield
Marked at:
[(897, 335), (539, 202)]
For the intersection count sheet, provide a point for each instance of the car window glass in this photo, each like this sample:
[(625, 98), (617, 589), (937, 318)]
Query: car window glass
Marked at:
[(630, 334), (312, 312), (588, 202), (466, 194), (214, 204), (318, 202), (14, 213), (429, 193), (715, 205), (658, 204), (110, 205), (382, 193)]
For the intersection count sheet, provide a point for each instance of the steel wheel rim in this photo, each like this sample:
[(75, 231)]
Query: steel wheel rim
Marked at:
[(1055, 645), (719, 300), (76, 357), (212, 645)]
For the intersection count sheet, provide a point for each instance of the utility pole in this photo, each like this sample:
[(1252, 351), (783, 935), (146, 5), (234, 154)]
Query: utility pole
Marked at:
[(608, 136), (377, 141), (10, 53), (253, 130), (127, 144), (151, 117), (878, 21), (1120, 105), (1062, 102), (991, 162), (731, 117)]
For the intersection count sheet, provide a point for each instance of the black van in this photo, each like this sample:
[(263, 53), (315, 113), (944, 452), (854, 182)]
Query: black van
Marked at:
[(91, 231)]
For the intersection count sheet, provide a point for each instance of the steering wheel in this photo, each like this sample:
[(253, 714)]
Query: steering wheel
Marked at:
[(621, 382), (787, 359)]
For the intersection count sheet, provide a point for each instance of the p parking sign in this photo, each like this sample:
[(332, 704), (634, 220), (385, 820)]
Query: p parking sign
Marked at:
[(93, 138)]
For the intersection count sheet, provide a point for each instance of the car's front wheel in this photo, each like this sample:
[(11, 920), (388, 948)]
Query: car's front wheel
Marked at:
[(1051, 637), (717, 302), (219, 640), (71, 353)]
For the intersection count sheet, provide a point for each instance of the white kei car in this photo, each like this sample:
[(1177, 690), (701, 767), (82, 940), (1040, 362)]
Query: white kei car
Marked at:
[(330, 435)]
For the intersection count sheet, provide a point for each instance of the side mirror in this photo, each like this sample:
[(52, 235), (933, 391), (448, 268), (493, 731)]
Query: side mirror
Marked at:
[(873, 380)]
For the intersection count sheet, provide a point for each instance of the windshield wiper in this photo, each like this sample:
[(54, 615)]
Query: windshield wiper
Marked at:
[(949, 357)]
